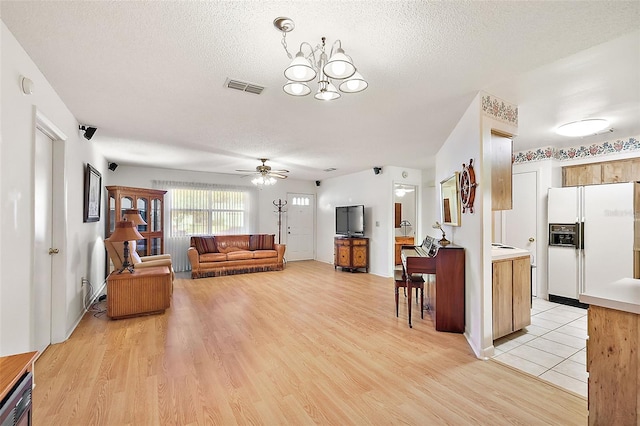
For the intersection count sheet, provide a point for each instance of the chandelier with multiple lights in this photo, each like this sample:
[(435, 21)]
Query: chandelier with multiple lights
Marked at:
[(303, 68)]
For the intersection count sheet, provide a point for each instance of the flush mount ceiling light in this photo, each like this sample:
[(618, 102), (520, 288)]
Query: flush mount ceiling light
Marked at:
[(583, 127), (304, 68)]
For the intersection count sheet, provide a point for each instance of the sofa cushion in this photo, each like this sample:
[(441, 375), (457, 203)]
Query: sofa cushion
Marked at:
[(239, 255), (213, 257), (261, 242), (230, 243), (264, 254), (204, 244)]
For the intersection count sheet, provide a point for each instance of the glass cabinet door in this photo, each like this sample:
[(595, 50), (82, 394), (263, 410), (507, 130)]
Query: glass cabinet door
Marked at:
[(156, 246), (141, 247), (126, 203), (156, 215), (112, 214), (143, 208)]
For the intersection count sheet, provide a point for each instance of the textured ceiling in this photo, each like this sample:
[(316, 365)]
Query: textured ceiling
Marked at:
[(150, 76)]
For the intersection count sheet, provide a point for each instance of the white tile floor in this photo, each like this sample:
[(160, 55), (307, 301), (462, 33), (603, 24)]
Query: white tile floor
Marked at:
[(553, 347)]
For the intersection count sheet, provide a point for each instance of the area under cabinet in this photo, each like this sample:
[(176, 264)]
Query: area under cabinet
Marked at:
[(511, 290)]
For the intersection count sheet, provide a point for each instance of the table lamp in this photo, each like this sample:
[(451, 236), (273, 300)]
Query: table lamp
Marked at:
[(125, 231), (405, 224), (443, 241), (133, 215)]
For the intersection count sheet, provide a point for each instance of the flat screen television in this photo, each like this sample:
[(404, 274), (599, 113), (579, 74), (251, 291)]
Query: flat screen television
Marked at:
[(350, 220)]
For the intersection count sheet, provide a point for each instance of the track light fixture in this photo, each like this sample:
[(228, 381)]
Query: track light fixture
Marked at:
[(338, 66), (88, 131)]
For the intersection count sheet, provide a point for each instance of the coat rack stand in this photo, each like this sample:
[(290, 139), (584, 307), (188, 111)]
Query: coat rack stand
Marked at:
[(279, 205)]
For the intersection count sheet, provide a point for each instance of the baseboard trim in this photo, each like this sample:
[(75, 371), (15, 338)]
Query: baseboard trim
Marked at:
[(567, 301), (85, 310)]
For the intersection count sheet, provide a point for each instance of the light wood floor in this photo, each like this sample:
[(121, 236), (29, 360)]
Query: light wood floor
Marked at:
[(303, 346)]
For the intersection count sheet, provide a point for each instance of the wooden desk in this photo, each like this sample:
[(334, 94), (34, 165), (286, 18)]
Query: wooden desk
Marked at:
[(447, 302), (145, 291), (12, 368)]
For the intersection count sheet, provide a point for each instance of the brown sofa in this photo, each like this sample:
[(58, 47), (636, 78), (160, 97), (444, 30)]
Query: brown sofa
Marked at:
[(216, 255)]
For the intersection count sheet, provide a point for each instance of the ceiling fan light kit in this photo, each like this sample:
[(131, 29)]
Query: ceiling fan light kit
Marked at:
[(265, 176), (338, 66)]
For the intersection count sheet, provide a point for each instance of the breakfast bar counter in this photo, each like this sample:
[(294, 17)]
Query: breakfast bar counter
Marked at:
[(613, 360)]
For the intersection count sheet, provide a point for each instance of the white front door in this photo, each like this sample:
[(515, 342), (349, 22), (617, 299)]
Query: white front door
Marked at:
[(521, 221), (41, 294), (300, 230)]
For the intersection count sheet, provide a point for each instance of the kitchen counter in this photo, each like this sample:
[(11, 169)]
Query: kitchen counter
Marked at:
[(622, 295), (503, 252)]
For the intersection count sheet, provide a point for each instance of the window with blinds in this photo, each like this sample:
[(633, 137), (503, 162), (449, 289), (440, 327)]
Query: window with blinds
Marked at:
[(204, 209), (208, 211)]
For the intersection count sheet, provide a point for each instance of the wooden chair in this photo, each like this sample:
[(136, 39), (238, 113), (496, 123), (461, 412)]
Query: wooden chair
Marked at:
[(417, 282)]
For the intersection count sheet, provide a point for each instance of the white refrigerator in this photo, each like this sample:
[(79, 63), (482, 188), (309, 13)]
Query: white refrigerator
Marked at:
[(602, 249)]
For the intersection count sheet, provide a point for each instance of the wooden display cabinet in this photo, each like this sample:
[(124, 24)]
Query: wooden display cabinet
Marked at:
[(351, 253), (150, 203)]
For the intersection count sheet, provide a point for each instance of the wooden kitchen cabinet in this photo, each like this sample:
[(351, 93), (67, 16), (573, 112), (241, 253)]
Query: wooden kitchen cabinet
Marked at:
[(402, 241), (351, 253), (511, 295), (613, 363), (583, 174), (501, 173)]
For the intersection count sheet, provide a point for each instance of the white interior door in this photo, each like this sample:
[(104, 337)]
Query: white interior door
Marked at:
[(521, 222), (43, 213), (300, 230)]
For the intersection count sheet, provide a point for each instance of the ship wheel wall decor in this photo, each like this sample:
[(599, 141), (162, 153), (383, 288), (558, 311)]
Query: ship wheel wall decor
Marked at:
[(467, 187)]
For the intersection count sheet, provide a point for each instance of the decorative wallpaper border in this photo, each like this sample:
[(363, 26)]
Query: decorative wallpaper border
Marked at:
[(581, 151), (500, 110)]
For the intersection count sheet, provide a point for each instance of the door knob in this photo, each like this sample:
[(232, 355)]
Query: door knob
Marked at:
[(531, 239), (53, 251)]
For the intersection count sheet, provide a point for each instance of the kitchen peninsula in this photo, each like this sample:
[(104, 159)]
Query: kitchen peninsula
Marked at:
[(613, 360)]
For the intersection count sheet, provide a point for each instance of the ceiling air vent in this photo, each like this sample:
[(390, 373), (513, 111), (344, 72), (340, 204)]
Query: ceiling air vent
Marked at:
[(243, 86)]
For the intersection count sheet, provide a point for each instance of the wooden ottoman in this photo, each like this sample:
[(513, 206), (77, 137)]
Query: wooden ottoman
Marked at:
[(145, 291)]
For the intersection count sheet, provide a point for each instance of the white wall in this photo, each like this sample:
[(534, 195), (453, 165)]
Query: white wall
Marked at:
[(464, 143), (375, 192), (80, 244), (471, 139), (143, 177)]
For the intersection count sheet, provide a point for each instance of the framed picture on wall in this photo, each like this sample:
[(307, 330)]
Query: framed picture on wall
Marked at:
[(92, 194)]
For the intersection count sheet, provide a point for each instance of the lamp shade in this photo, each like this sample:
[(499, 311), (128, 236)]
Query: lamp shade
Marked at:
[(339, 66), (300, 69), (326, 92), (133, 215), (125, 231), (355, 83), (296, 88)]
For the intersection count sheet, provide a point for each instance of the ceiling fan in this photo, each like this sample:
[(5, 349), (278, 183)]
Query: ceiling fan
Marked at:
[(265, 171)]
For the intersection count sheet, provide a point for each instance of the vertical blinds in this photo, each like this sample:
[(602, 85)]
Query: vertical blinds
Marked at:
[(204, 209)]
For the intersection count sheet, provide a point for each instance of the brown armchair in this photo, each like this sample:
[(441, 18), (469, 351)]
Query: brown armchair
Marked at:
[(116, 253)]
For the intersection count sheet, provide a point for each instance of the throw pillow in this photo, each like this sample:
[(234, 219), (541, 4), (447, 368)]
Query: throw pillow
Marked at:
[(204, 244), (261, 242)]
